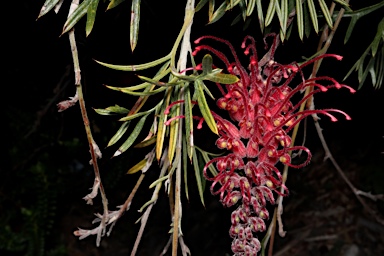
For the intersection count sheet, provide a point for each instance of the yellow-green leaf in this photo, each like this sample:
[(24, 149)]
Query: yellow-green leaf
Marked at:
[(218, 13), (136, 67), (299, 17), (327, 15), (132, 137), (198, 177), (137, 167), (260, 14), (312, 12), (146, 143), (204, 108), (123, 128), (270, 12), (77, 14), (47, 6), (114, 3), (91, 15), (134, 26)]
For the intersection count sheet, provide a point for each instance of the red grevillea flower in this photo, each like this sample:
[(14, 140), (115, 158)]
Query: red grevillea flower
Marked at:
[(262, 112)]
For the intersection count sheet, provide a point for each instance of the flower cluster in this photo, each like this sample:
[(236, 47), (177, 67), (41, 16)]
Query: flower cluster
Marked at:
[(260, 104)]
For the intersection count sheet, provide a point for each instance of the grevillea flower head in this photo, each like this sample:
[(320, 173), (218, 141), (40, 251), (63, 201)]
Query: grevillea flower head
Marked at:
[(262, 112)]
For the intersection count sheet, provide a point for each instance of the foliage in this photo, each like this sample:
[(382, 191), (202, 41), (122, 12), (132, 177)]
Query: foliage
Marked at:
[(182, 89)]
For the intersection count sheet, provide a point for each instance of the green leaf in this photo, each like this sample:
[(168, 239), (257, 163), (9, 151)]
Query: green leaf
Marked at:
[(221, 78), (284, 16), (299, 17), (136, 67), (312, 12), (218, 13), (270, 12), (145, 143), (134, 26), (47, 6), (123, 128), (352, 24), (137, 167), (211, 8), (207, 64), (143, 93), (251, 6), (200, 5), (146, 113), (326, 13), (114, 3), (198, 177), (132, 137), (77, 14), (161, 125), (185, 167), (91, 15), (378, 37), (204, 108), (111, 110), (260, 14), (344, 4), (188, 121), (156, 81)]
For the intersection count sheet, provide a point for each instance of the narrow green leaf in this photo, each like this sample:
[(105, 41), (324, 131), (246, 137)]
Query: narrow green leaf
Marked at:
[(379, 69), (363, 75), (91, 16), (174, 127), (185, 168), (352, 24), (243, 9), (260, 14), (270, 12), (111, 110), (207, 91), (198, 177), (344, 4), (143, 93), (146, 143), (188, 121), (200, 5), (206, 158), (307, 20), (284, 16), (211, 8), (130, 117), (47, 6), (299, 16), (161, 125), (207, 64), (156, 81), (204, 108), (327, 15), (221, 78), (114, 3), (379, 37), (136, 67), (251, 6), (134, 26), (312, 12), (132, 137), (218, 13), (137, 167), (123, 128), (77, 14)]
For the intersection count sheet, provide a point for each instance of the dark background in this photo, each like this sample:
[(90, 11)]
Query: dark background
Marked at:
[(45, 171)]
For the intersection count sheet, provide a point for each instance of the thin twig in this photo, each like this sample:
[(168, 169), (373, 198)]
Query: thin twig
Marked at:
[(95, 152)]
